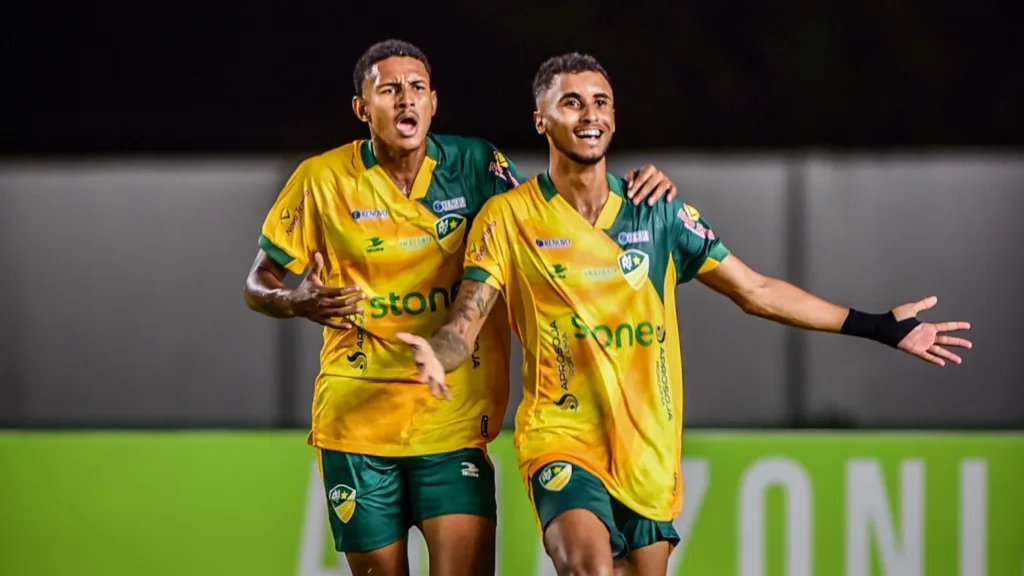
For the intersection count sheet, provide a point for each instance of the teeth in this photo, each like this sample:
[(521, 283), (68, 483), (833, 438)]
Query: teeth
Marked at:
[(588, 133)]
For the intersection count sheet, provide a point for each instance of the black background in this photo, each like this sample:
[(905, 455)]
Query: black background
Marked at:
[(276, 76)]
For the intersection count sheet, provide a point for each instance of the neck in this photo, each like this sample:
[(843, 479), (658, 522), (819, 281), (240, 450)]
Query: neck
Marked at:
[(583, 186), (400, 165)]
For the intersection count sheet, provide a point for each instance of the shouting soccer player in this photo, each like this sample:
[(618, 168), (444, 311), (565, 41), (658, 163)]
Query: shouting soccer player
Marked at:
[(589, 280), (380, 225)]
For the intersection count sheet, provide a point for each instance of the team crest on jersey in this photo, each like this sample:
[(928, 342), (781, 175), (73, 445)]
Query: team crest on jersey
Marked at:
[(343, 502), (555, 476), (450, 230), (634, 266)]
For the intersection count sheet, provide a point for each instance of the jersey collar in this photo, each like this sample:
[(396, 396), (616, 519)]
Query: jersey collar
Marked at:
[(611, 207), (369, 161)]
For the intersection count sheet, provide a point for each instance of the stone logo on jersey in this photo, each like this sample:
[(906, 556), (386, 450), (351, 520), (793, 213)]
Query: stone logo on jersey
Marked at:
[(449, 231), (634, 266), (343, 501), (555, 476)]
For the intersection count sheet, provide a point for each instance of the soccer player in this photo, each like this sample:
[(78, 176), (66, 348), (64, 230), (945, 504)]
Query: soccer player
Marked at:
[(589, 282), (380, 226)]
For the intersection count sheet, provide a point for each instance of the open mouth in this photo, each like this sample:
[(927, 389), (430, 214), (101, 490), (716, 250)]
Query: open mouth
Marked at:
[(407, 124), (589, 135)]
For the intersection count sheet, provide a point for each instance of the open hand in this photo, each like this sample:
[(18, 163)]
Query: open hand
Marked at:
[(650, 183), (926, 340), (312, 300), (431, 372)]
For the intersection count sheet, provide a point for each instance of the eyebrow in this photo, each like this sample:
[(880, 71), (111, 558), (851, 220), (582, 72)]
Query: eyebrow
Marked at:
[(396, 83), (579, 97)]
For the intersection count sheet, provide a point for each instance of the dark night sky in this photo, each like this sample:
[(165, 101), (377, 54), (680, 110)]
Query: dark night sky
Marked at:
[(261, 76)]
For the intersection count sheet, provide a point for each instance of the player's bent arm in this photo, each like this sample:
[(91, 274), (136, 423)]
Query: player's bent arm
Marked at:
[(772, 298), (264, 288), (453, 343)]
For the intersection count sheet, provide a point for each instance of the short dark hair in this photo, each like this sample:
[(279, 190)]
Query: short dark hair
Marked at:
[(383, 51), (571, 63)]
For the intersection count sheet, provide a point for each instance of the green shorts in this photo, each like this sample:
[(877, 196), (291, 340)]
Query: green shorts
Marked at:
[(373, 501), (561, 486)]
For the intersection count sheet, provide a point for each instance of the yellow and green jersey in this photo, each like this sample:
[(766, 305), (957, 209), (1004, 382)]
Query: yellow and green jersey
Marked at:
[(406, 253), (594, 308)]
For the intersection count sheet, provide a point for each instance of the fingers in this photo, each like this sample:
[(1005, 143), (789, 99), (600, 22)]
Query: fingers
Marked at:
[(439, 389), (411, 339), (927, 356), (336, 292), (316, 269), (639, 181), (925, 304), (952, 326), (954, 341), (943, 353), (326, 321)]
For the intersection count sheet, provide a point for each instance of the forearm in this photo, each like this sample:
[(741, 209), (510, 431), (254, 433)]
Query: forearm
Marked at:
[(266, 294), (450, 347), (785, 303), (453, 343)]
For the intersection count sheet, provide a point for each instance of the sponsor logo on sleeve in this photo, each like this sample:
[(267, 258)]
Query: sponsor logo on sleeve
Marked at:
[(691, 219)]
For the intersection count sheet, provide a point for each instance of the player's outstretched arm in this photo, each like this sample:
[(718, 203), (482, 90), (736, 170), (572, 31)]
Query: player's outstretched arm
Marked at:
[(453, 343), (265, 293), (783, 302)]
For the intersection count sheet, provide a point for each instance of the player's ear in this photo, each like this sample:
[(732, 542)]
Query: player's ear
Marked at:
[(359, 108), (433, 102), (538, 123)]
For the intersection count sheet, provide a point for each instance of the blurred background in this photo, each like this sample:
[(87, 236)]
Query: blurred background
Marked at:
[(871, 152)]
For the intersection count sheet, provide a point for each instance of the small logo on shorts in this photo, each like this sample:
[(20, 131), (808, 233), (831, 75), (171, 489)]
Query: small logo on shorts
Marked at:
[(343, 502), (555, 476), (470, 470)]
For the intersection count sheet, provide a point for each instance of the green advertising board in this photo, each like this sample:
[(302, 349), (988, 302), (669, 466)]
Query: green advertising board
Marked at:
[(757, 504)]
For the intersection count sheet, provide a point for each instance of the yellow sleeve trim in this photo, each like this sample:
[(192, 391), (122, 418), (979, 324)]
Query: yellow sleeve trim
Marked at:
[(708, 265)]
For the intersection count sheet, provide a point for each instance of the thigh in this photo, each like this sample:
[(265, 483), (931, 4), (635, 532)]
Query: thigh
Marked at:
[(452, 501), (365, 499), (650, 560), (460, 544), (391, 560), (458, 482), (574, 511), (649, 542)]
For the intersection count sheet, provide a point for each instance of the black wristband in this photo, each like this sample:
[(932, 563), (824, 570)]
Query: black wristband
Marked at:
[(878, 327)]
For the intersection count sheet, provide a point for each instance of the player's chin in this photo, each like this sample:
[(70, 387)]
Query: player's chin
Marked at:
[(587, 157), (406, 142)]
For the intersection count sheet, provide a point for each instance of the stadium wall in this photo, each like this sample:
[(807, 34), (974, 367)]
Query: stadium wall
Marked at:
[(124, 307)]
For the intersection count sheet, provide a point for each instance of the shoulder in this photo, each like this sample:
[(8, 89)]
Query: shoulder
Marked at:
[(517, 200), (332, 165), (457, 145), (468, 152)]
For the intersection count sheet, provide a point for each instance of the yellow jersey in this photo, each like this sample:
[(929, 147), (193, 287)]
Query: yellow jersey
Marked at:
[(594, 308), (406, 253)]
